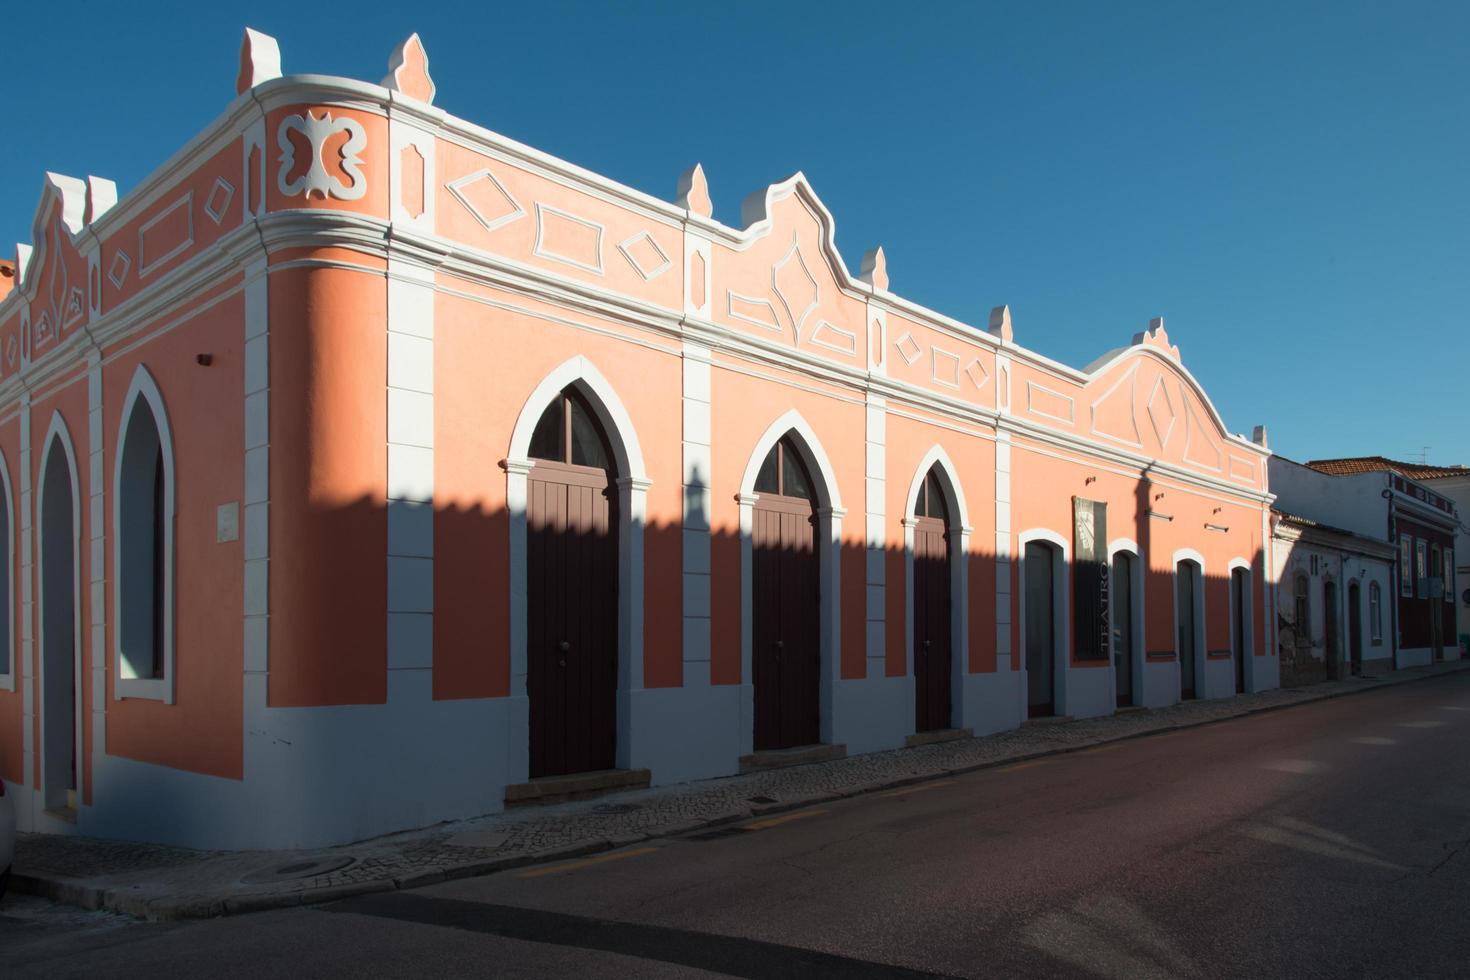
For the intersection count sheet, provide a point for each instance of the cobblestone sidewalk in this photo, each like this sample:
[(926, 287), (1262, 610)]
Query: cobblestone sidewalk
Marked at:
[(173, 883)]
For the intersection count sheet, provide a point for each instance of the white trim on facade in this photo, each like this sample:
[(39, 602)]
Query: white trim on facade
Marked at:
[(829, 542), (633, 484), (7, 642), (1138, 656), (1201, 654), (1061, 615), (127, 685), (959, 578), (1248, 600), (57, 433)]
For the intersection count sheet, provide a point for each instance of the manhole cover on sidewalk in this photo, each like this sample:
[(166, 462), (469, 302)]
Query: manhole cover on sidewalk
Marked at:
[(291, 871)]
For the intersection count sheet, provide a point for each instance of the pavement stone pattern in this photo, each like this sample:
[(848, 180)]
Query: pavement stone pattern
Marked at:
[(159, 882)]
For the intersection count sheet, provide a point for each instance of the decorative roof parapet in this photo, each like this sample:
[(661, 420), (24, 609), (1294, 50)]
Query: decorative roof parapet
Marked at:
[(408, 71), (874, 270), (1000, 324), (693, 192), (260, 60), (1157, 336)]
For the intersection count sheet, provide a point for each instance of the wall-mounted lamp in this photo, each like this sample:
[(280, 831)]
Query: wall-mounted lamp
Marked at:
[(1159, 495), (1089, 480)]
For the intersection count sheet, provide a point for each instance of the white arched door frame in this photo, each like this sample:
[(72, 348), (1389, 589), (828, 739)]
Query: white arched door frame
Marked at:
[(58, 435), (1061, 615), (159, 689), (1137, 656), (829, 542), (632, 483), (1248, 604), (7, 642), (1200, 632), (959, 578)]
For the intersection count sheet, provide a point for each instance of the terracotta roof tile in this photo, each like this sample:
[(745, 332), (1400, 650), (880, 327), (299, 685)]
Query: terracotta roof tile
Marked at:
[(1351, 465)]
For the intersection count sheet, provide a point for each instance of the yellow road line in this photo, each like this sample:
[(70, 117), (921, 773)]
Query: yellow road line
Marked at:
[(905, 791), (586, 863), (1024, 765), (777, 821)]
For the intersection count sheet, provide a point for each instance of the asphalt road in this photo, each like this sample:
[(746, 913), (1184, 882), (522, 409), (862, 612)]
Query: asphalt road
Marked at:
[(1328, 840)]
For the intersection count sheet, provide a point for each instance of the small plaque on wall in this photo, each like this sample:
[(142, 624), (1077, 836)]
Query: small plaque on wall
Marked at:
[(227, 522), (1090, 592)]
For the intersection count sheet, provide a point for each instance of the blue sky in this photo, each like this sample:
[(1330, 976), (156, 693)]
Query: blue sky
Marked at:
[(1286, 183)]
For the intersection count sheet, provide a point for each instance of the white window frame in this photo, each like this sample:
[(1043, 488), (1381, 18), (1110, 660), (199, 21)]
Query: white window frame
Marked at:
[(148, 688), (1375, 614), (1406, 566)]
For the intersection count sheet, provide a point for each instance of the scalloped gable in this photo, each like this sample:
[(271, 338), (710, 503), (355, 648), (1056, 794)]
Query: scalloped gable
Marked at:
[(784, 282), (1143, 399)]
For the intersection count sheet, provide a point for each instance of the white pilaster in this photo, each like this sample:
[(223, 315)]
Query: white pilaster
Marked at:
[(97, 578), (27, 592), (1003, 540), (697, 504), (410, 501), (875, 485), (257, 487)]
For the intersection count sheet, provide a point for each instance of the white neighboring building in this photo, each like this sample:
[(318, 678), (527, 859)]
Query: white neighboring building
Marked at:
[(1455, 484), (1389, 501), (1333, 590)]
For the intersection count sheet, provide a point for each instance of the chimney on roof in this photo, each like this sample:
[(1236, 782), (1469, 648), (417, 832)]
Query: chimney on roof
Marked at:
[(1258, 436), (7, 277)]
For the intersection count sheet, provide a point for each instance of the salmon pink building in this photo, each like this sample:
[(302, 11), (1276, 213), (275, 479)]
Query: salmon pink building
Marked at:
[(364, 468)]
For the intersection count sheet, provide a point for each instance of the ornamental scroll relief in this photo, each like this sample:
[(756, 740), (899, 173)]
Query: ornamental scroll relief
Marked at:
[(316, 179)]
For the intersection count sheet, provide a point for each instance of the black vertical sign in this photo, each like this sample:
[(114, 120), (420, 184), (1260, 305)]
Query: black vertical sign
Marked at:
[(1090, 599)]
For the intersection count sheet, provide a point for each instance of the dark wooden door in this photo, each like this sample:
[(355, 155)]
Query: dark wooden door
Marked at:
[(1187, 581), (1239, 582), (785, 606), (1122, 588), (933, 656), (571, 596), (1329, 629), (1040, 630), (1355, 628)]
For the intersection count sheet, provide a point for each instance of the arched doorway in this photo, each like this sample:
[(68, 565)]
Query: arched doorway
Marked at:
[(571, 591), (1125, 566), (1355, 628), (1329, 629), (59, 651), (932, 625), (1186, 619), (785, 602), (1240, 623), (1041, 562)]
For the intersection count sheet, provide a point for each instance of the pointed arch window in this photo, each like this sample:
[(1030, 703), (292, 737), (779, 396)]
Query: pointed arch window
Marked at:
[(143, 548), (783, 473), (931, 498), (568, 432)]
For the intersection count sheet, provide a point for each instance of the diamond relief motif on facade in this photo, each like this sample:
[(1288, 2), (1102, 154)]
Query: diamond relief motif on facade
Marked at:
[(908, 348), (795, 286), (220, 196), (644, 255), (977, 374), (117, 272), (485, 197), (1161, 412)]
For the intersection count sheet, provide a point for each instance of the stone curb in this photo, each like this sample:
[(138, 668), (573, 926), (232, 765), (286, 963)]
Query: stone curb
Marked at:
[(164, 908)]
